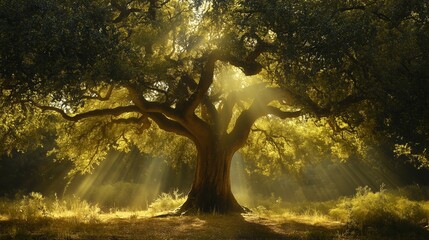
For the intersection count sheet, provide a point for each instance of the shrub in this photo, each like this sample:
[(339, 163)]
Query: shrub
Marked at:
[(262, 211), (82, 210), (378, 210), (411, 211), (30, 207), (166, 202), (35, 206)]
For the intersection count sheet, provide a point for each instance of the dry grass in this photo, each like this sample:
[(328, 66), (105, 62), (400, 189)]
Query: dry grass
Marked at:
[(135, 226), (36, 217), (139, 225)]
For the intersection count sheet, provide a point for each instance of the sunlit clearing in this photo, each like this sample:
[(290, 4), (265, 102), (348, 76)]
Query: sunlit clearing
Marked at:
[(322, 181), (132, 181), (312, 216)]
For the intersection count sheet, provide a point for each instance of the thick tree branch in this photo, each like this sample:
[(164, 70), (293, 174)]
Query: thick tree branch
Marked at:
[(152, 107), (260, 108), (210, 111), (124, 11), (94, 113), (226, 109), (364, 8), (283, 114), (170, 125), (345, 103), (260, 93), (303, 101), (248, 117), (186, 125), (203, 86), (332, 109), (249, 67), (271, 135)]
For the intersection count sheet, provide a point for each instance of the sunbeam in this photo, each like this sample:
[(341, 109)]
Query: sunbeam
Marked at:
[(322, 181), (240, 184)]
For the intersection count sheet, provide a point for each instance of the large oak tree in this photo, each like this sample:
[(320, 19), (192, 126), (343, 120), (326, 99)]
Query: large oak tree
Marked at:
[(204, 72)]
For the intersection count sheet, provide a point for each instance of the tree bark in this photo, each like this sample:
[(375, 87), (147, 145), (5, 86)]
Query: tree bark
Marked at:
[(211, 188)]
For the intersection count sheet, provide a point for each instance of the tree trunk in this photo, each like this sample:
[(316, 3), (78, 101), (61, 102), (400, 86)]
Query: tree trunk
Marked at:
[(211, 188)]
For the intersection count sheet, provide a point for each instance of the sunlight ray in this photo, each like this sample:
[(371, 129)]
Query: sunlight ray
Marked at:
[(151, 185), (240, 184)]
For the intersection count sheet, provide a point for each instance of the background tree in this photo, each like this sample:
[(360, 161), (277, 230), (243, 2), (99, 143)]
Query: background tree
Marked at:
[(211, 74), (360, 62)]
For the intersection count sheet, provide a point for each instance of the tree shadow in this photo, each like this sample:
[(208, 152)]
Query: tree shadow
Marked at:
[(238, 227), (186, 227)]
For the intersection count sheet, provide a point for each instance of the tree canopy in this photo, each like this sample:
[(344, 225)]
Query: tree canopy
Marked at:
[(280, 80)]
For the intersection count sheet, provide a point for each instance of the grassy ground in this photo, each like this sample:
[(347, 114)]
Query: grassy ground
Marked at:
[(248, 226), (188, 227), (367, 215)]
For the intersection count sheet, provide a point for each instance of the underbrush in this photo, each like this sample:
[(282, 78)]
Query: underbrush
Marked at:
[(374, 214), (380, 213), (166, 202), (367, 213), (35, 206), (310, 216)]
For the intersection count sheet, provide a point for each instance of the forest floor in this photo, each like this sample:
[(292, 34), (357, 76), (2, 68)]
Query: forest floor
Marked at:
[(247, 226), (187, 227)]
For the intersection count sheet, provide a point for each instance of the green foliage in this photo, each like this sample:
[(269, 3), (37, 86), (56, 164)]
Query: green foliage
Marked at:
[(23, 129), (31, 207), (276, 146), (380, 210), (356, 72), (336, 52), (166, 202), (367, 215), (35, 206), (51, 45), (82, 210), (28, 208), (419, 158)]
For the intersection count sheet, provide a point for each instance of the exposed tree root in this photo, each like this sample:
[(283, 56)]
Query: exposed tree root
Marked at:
[(193, 211)]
